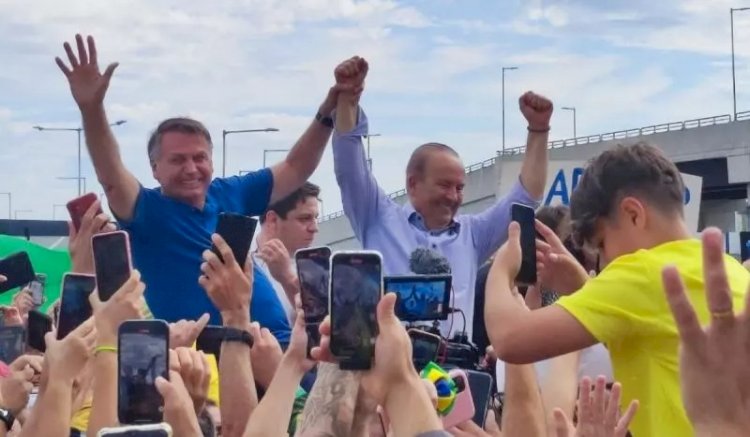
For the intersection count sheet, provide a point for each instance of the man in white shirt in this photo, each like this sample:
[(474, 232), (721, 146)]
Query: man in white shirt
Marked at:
[(287, 226)]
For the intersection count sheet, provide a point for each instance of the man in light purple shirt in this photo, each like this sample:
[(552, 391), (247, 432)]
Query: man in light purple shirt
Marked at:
[(434, 183)]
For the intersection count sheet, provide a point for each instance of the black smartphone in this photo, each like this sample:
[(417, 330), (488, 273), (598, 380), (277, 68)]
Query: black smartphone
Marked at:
[(314, 272), (111, 261), (356, 289), (154, 430), (39, 324), (526, 218), (210, 339), (75, 307), (480, 384), (12, 343), (237, 230), (36, 287), (424, 347), (420, 297), (143, 355), (17, 269)]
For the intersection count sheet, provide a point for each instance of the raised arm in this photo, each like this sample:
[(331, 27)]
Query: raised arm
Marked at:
[(89, 86), (489, 227), (303, 159)]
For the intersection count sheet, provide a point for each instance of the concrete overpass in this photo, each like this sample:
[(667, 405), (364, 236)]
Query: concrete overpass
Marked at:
[(716, 148)]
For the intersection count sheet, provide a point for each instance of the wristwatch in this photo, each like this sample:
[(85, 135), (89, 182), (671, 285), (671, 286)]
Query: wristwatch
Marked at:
[(324, 120), (238, 336), (7, 418)]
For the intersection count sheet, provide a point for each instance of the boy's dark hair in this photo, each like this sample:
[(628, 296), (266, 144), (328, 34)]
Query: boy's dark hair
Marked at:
[(638, 170), (283, 206)]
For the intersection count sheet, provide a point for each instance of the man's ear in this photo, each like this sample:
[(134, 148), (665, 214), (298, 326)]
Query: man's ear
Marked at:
[(634, 211)]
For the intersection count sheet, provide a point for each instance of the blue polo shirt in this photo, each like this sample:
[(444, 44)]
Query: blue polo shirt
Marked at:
[(168, 238)]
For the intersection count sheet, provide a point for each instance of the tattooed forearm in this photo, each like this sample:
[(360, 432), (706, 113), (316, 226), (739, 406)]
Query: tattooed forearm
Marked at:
[(329, 409)]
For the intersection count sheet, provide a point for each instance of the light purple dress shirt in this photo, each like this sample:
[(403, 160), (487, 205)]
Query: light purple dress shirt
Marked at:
[(396, 230)]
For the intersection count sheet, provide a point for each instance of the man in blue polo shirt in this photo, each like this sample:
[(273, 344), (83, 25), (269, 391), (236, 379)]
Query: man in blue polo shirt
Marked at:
[(170, 226)]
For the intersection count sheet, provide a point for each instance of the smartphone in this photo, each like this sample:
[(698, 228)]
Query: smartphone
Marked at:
[(481, 393), (420, 297), (237, 230), (356, 289), (39, 324), (142, 356), (463, 408), (78, 207), (17, 269), (424, 347), (210, 339), (37, 289), (75, 307), (12, 343), (112, 262), (525, 217), (155, 430), (314, 273)]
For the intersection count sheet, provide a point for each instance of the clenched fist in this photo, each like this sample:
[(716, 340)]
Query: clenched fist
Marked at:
[(351, 73), (536, 109)]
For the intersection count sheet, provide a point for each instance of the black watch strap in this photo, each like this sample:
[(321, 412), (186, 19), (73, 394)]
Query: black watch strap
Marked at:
[(7, 418), (324, 120), (238, 336)]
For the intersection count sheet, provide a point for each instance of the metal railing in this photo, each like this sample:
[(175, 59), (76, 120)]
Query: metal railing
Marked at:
[(591, 139)]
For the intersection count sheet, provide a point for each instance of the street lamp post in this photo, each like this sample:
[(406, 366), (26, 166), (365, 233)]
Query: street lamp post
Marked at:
[(266, 151), (734, 83), (74, 178), (503, 82), (369, 159), (78, 131), (15, 213), (224, 134), (573, 109), (10, 217)]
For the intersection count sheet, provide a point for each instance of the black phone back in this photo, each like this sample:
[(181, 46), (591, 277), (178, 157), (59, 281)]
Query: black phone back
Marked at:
[(39, 324), (17, 269), (237, 230), (526, 217)]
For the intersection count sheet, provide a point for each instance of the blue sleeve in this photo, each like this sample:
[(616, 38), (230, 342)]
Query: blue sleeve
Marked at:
[(147, 211), (248, 194)]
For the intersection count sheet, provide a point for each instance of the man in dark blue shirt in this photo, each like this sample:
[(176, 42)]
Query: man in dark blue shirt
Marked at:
[(171, 226)]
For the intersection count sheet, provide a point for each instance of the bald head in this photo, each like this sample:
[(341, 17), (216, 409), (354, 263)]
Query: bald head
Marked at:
[(420, 156)]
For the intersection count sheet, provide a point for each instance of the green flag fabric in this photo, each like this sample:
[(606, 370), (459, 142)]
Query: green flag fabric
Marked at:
[(53, 263)]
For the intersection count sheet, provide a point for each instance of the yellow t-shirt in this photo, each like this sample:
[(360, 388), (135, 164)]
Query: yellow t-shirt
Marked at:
[(626, 309)]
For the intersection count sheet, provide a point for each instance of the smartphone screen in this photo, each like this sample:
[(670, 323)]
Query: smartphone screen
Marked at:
[(420, 298), (237, 230), (525, 217), (481, 390), (39, 324), (356, 288), (210, 339), (143, 355), (75, 307), (313, 270), (17, 269), (111, 262), (78, 207), (424, 348), (12, 343), (36, 287)]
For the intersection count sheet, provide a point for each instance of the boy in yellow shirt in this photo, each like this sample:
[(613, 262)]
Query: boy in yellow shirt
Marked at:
[(628, 206)]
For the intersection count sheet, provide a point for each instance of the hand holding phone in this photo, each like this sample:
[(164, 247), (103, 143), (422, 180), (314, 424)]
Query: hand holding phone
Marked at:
[(237, 230), (463, 408), (314, 271), (39, 324), (525, 217), (112, 262), (78, 207), (18, 271), (75, 307), (36, 287)]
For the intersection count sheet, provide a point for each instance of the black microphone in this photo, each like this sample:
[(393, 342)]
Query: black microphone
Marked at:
[(424, 261)]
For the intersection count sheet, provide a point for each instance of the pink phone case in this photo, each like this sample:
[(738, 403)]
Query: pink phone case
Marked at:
[(463, 409)]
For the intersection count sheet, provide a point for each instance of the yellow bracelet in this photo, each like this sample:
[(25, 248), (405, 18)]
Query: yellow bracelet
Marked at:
[(105, 349)]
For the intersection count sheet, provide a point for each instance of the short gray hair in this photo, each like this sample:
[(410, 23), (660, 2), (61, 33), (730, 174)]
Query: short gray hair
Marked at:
[(178, 124)]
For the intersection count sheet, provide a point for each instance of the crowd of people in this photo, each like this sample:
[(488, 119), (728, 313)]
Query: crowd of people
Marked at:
[(634, 327)]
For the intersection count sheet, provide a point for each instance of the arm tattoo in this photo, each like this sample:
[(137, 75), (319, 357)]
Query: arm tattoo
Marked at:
[(329, 410)]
